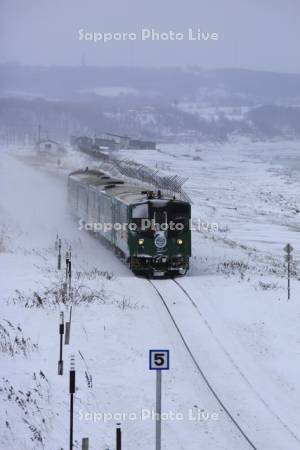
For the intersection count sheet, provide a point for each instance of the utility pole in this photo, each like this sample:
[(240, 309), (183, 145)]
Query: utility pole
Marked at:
[(56, 242), (39, 135), (59, 255)]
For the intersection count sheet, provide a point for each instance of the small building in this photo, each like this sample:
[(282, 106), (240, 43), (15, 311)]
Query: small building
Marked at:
[(48, 146), (121, 142), (126, 142), (104, 143), (137, 144), (83, 143)]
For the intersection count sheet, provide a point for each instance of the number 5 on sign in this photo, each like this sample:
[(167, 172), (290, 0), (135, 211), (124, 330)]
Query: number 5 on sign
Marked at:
[(159, 359)]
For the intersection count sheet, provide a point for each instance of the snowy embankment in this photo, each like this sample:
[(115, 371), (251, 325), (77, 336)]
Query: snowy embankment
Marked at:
[(237, 281)]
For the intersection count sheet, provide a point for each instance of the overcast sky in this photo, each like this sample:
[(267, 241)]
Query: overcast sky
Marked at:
[(256, 34)]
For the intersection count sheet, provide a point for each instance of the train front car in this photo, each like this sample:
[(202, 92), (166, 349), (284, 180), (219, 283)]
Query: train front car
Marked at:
[(160, 237), (149, 231)]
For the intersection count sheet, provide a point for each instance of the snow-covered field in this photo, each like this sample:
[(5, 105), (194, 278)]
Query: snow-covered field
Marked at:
[(241, 329)]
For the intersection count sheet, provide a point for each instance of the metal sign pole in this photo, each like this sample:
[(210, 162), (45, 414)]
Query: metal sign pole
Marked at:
[(159, 360), (72, 389), (158, 410)]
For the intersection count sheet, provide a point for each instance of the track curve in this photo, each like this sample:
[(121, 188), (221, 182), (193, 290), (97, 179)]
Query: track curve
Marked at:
[(202, 374)]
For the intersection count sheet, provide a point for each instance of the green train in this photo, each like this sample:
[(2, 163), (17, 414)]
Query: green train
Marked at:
[(150, 230)]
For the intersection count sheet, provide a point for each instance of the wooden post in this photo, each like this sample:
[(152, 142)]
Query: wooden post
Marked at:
[(85, 444), (68, 328), (72, 389), (61, 333), (118, 437), (70, 273), (288, 257)]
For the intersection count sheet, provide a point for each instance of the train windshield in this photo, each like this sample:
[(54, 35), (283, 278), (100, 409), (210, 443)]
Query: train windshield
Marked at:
[(177, 211), (140, 215), (158, 214), (140, 211), (178, 215)]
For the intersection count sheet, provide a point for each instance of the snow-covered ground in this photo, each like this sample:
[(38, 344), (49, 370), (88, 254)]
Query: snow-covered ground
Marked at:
[(240, 327)]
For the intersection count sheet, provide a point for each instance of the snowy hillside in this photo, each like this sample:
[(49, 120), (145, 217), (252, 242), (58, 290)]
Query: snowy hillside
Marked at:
[(198, 105)]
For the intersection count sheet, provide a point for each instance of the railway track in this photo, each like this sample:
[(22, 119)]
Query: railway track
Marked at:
[(197, 365), (282, 435)]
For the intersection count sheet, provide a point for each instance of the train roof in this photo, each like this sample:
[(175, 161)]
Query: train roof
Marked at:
[(114, 187)]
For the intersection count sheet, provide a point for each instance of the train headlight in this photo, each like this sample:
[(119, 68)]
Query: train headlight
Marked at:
[(141, 241), (179, 241)]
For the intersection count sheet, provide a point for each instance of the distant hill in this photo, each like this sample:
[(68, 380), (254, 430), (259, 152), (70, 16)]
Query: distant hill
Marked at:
[(225, 85), (160, 104)]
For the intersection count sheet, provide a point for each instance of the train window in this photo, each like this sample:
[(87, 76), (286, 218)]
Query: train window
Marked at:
[(140, 211), (179, 215), (82, 199), (176, 210), (91, 201), (123, 214), (160, 216)]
